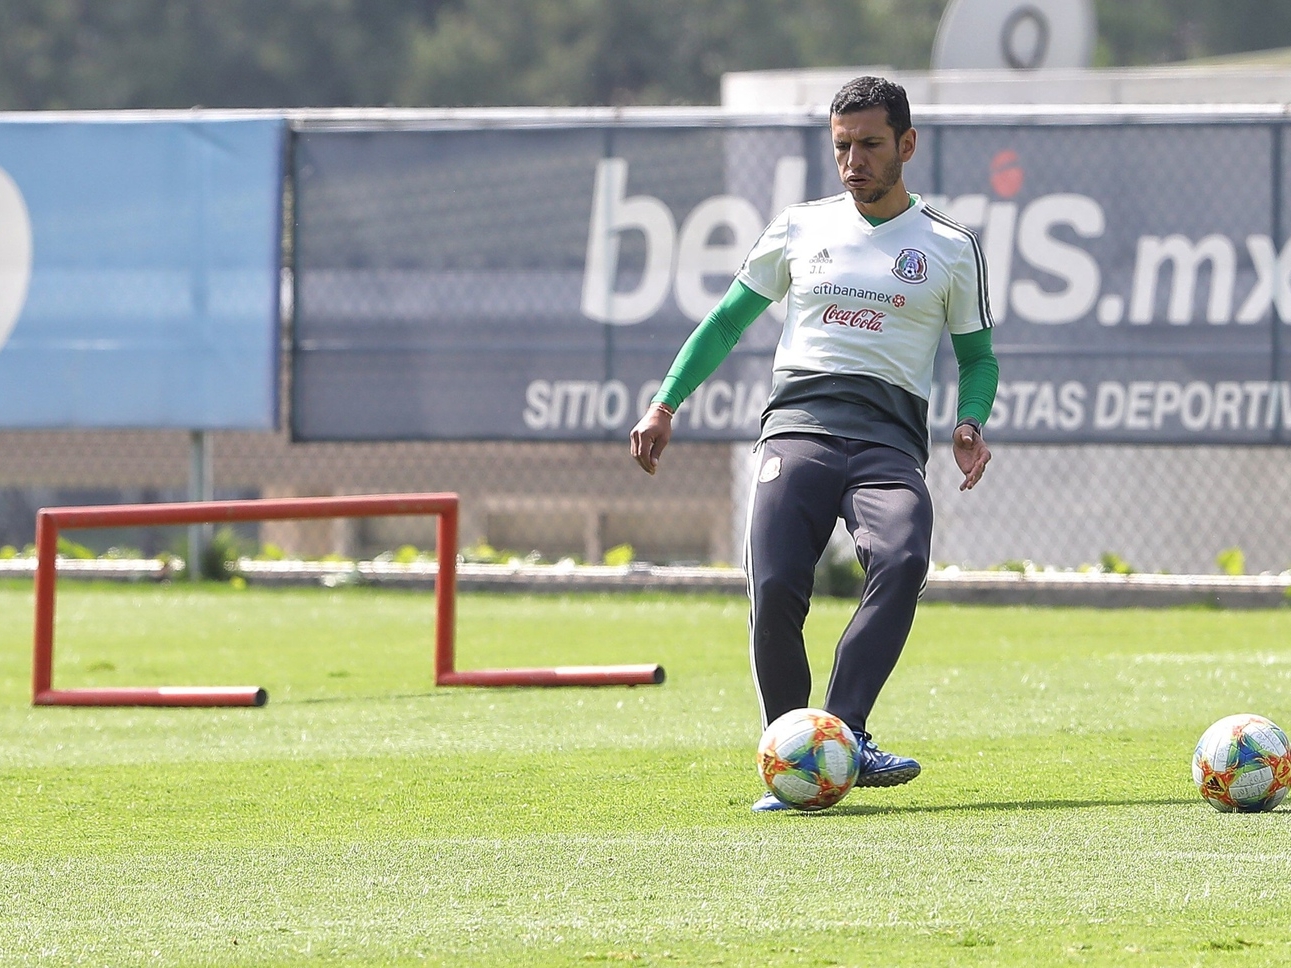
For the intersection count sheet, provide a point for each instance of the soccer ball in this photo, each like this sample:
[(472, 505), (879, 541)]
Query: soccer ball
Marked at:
[(1243, 763), (807, 758)]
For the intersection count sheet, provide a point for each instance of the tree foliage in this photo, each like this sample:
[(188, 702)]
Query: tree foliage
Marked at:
[(254, 53), (649, 51), (59, 54), (1139, 32)]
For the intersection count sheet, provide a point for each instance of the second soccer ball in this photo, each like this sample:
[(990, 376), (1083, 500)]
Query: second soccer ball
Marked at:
[(1242, 763), (807, 758)]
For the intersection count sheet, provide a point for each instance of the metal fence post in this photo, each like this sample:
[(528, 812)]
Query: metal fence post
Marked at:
[(201, 487)]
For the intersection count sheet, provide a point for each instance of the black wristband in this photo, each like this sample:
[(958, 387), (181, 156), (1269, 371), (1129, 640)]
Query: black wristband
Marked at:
[(971, 422)]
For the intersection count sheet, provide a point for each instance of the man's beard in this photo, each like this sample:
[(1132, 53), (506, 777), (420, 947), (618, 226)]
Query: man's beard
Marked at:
[(889, 177)]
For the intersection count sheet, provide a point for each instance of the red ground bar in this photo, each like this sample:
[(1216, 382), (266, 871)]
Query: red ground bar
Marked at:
[(155, 696), (607, 675)]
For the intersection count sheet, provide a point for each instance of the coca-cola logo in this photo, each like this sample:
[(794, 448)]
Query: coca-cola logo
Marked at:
[(856, 318)]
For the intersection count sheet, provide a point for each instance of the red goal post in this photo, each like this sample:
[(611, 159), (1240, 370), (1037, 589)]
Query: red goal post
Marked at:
[(49, 521)]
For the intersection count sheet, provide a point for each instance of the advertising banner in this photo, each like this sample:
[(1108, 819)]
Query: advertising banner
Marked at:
[(524, 284), (139, 273), (535, 282), (1137, 281)]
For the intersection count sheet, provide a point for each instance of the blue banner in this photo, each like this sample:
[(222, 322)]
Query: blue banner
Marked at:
[(139, 273), (535, 282)]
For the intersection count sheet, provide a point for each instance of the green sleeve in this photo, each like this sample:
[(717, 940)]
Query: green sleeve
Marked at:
[(710, 343), (979, 374)]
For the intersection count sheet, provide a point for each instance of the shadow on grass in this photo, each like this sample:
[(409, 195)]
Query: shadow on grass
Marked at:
[(866, 809), (384, 697)]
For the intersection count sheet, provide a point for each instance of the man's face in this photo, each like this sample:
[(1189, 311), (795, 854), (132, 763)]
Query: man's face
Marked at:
[(868, 152)]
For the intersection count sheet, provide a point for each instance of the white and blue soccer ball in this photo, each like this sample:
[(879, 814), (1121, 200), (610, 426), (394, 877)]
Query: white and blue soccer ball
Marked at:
[(807, 758), (1243, 763)]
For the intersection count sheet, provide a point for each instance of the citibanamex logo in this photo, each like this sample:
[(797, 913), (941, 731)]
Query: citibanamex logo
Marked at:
[(857, 318)]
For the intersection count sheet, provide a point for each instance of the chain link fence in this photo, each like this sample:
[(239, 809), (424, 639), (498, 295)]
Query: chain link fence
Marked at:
[(556, 499), (1181, 510), (1170, 509)]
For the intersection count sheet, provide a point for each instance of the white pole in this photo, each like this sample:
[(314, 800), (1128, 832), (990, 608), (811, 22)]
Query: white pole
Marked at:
[(201, 487)]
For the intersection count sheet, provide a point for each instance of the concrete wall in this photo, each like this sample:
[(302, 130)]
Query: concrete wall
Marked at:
[(782, 90)]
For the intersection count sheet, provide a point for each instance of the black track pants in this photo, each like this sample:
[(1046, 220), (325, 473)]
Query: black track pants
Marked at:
[(805, 482)]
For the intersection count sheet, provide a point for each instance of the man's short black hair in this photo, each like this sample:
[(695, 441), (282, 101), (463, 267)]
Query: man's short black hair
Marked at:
[(872, 92)]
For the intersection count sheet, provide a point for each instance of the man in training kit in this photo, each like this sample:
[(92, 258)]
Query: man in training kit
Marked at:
[(873, 277)]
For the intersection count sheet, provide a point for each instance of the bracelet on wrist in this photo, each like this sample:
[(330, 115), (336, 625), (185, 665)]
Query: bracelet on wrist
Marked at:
[(972, 423), (664, 407)]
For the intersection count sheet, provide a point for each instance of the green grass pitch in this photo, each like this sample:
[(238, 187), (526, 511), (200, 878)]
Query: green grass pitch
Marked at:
[(365, 817)]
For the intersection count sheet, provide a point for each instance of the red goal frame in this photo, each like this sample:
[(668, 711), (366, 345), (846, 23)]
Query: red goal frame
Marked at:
[(49, 521)]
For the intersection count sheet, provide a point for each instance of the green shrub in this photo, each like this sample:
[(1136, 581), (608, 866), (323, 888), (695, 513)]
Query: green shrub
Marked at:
[(220, 555), (70, 549), (1114, 564), (406, 554), (485, 554), (481, 554), (1231, 561), (841, 577), (623, 554)]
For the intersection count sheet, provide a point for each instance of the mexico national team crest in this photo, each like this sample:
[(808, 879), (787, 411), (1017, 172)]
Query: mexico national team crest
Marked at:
[(911, 266)]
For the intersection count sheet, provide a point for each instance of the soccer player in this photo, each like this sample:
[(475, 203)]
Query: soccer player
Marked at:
[(873, 277)]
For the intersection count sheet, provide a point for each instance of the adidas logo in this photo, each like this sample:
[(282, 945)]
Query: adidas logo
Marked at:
[(821, 257)]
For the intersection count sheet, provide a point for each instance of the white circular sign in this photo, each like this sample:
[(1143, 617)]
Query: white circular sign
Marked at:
[(1014, 35), (15, 255)]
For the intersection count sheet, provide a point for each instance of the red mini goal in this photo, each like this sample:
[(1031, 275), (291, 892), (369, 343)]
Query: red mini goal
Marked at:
[(444, 506)]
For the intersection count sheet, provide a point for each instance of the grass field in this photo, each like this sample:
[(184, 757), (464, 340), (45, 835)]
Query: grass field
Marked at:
[(365, 817)]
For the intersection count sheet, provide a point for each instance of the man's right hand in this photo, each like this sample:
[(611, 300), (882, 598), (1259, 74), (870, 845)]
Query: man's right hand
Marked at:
[(971, 454), (650, 436)]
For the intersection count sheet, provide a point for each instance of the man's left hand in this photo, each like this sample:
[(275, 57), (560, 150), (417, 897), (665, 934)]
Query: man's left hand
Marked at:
[(971, 454)]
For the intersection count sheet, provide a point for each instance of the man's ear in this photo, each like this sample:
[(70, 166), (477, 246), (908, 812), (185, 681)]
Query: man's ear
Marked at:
[(906, 145)]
